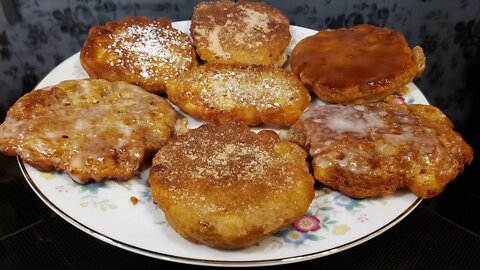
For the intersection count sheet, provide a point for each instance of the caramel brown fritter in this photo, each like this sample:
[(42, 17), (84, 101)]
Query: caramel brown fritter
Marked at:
[(92, 129), (242, 32), (252, 94), (357, 65), (373, 150), (139, 51), (227, 187)]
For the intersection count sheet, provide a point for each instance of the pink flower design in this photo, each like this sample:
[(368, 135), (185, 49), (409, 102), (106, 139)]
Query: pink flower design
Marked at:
[(307, 224), (398, 100)]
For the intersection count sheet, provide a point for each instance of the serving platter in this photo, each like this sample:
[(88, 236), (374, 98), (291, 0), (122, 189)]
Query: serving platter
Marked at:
[(332, 224)]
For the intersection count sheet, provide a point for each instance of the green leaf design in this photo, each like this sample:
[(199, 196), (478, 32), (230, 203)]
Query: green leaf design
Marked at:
[(92, 188), (278, 234), (312, 237)]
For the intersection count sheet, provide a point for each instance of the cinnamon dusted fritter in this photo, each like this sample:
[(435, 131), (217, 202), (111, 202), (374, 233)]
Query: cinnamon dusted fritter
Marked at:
[(228, 187), (240, 32)]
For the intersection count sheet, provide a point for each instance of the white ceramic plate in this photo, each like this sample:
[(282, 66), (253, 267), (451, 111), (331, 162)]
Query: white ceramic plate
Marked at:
[(106, 212)]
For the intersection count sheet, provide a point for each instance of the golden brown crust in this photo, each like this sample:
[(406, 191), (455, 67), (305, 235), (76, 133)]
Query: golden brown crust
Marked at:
[(358, 65), (372, 150), (137, 50), (242, 32), (228, 187), (252, 94), (92, 129)]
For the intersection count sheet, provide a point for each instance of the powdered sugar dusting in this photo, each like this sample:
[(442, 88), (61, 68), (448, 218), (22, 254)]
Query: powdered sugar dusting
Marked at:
[(255, 20), (146, 47), (241, 26), (236, 87), (214, 42)]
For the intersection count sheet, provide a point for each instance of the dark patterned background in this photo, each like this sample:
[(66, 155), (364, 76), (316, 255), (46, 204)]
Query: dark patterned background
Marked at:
[(449, 32)]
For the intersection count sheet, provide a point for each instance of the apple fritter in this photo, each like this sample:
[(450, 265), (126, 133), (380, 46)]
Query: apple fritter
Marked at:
[(252, 94), (137, 50), (372, 150), (358, 65), (92, 129), (242, 32), (227, 187)]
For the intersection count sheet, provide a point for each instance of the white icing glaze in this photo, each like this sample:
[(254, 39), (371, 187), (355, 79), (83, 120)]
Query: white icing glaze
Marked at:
[(348, 121), (92, 122), (326, 126)]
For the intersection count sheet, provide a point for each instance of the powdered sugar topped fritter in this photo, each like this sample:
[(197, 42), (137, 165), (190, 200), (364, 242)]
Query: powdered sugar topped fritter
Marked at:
[(137, 50)]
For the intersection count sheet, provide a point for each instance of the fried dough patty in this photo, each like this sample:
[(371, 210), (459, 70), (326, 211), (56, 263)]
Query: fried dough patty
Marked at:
[(92, 129), (228, 187), (137, 50), (252, 94), (242, 32), (356, 65), (372, 150)]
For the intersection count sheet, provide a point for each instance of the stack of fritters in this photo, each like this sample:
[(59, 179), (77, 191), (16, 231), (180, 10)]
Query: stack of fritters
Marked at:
[(372, 150), (242, 42)]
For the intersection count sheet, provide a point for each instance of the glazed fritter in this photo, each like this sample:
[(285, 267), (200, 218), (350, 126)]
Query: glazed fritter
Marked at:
[(242, 32), (357, 65), (227, 187), (372, 150), (92, 129), (252, 94), (137, 50)]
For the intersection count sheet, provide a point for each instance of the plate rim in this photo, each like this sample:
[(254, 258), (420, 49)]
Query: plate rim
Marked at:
[(204, 262)]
